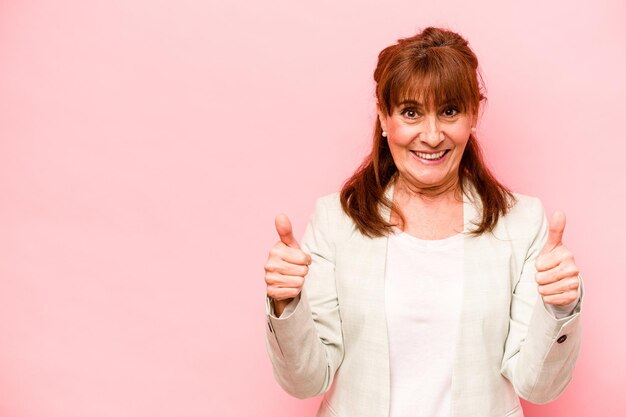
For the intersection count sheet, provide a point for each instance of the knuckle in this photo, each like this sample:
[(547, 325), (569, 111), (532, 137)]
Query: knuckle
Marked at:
[(571, 269), (543, 265), (270, 279), (274, 251), (270, 266), (540, 277), (293, 292), (303, 258)]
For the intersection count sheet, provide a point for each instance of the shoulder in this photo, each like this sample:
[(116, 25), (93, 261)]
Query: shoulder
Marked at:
[(329, 210), (526, 207), (329, 202), (330, 207), (525, 216)]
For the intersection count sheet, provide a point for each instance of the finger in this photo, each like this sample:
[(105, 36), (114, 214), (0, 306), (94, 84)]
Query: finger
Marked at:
[(286, 268), (283, 227), (564, 270), (559, 287), (291, 281), (553, 258), (561, 299), (555, 232), (278, 294), (292, 255), (276, 280)]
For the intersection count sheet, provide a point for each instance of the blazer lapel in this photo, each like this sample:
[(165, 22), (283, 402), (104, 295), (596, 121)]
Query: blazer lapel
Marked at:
[(482, 306)]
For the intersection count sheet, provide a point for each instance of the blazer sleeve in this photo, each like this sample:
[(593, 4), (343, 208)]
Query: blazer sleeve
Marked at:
[(540, 350), (305, 344)]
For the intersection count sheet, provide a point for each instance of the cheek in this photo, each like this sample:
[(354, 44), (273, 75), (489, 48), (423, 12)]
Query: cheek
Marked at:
[(398, 150), (461, 144), (403, 135), (460, 137), (395, 149)]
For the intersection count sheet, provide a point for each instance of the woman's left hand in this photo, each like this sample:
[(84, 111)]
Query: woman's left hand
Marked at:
[(557, 274)]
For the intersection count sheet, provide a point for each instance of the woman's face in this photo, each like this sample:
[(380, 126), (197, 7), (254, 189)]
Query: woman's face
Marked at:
[(427, 145)]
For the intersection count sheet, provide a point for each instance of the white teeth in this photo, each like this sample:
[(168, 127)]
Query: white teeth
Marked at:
[(430, 156)]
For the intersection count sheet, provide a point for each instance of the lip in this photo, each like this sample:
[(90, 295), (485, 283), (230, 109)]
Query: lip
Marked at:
[(429, 152), (428, 161)]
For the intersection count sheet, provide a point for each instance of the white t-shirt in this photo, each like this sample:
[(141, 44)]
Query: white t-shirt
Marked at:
[(423, 290)]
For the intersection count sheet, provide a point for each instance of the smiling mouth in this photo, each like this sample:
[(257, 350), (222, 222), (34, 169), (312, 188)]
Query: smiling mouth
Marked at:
[(431, 156)]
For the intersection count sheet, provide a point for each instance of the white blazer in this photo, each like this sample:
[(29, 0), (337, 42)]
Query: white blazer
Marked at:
[(332, 339)]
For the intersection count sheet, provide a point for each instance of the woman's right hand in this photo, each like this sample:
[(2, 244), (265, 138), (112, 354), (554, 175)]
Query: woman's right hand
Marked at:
[(286, 266)]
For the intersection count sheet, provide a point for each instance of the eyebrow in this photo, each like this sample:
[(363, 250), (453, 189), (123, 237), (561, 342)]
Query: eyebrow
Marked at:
[(412, 102), (419, 105)]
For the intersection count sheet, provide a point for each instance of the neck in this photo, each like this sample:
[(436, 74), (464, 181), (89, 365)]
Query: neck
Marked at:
[(436, 194)]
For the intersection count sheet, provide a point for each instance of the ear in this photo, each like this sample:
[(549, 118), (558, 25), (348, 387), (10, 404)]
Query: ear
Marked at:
[(382, 118)]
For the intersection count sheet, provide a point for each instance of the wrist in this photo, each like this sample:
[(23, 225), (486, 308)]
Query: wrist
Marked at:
[(279, 305)]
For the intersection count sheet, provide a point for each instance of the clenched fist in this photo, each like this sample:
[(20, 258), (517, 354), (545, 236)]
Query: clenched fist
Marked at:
[(557, 274), (286, 266)]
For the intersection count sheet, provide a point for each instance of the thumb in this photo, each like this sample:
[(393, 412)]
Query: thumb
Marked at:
[(283, 227), (555, 232)]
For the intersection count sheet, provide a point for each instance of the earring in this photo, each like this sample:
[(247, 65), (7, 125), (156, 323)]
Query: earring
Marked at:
[(384, 134), (473, 130)]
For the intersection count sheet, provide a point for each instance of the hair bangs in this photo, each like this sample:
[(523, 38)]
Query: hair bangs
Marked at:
[(434, 80)]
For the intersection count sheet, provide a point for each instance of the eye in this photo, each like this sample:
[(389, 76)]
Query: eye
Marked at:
[(450, 112), (409, 113)]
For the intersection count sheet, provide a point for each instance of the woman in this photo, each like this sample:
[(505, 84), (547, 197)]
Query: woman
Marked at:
[(425, 287)]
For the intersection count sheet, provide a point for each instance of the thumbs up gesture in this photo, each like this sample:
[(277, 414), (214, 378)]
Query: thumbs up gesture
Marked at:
[(557, 274), (286, 266)]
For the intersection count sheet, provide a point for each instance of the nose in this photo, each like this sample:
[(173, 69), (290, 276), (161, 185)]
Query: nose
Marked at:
[(431, 134)]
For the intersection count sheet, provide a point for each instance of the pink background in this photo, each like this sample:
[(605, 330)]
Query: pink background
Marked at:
[(146, 147)]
